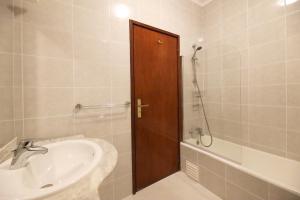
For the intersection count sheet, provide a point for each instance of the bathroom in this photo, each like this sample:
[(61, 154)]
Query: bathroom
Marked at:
[(149, 99)]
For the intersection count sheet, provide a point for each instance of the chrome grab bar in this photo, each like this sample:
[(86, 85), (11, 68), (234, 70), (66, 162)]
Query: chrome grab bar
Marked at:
[(80, 107)]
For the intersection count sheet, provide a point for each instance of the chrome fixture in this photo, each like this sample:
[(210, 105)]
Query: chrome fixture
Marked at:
[(80, 107), (199, 132), (195, 51), (24, 151), (197, 88)]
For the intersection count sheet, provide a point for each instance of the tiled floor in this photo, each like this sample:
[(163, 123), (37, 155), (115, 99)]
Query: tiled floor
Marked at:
[(175, 187)]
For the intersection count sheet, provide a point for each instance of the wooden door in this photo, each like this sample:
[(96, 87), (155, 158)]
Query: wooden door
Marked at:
[(156, 104)]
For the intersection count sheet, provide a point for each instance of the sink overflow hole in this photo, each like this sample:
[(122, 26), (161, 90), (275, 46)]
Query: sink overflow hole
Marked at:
[(46, 186)]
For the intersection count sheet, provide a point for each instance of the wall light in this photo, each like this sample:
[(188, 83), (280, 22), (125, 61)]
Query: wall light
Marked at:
[(121, 11), (201, 39), (286, 2)]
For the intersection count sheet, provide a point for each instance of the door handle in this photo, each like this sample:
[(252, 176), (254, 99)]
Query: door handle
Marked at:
[(139, 107)]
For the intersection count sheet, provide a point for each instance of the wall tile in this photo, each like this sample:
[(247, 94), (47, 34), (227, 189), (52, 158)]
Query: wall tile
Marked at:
[(122, 142), (293, 71), (124, 165), (233, 43), (235, 131), (293, 139), (270, 74), (52, 14), (271, 31), (48, 127), (18, 103), (91, 74), (233, 7), (234, 25), (123, 187), (43, 102), (96, 5), (17, 71), (265, 54), (268, 137), (106, 191), (267, 116), (235, 60), (267, 95), (247, 182), (293, 96), (90, 49), (211, 164), (236, 193), (7, 132), (293, 24), (6, 69), (41, 41), (47, 72), (92, 125), (232, 95), (212, 182), (265, 11), (6, 33), (293, 47), (188, 154), (91, 23), (5, 12), (276, 193), (293, 118), (6, 103)]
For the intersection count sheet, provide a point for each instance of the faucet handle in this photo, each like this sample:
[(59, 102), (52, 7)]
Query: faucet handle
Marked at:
[(25, 143)]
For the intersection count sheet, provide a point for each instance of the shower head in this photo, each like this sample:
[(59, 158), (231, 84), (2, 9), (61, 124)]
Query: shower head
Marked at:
[(198, 48), (195, 51)]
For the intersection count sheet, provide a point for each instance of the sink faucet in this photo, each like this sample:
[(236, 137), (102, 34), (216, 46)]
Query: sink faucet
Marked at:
[(24, 151)]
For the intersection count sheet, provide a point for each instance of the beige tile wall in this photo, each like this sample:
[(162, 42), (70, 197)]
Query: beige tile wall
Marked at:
[(9, 81), (251, 61), (77, 51), (230, 183)]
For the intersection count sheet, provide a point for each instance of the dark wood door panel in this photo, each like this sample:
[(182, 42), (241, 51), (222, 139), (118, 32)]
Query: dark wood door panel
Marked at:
[(155, 80)]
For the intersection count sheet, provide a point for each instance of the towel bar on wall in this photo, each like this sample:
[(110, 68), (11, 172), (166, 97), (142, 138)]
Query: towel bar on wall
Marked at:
[(80, 107)]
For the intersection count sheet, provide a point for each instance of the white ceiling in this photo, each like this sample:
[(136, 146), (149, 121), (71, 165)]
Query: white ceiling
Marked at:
[(202, 2)]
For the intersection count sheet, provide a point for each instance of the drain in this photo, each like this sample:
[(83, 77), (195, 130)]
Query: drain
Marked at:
[(46, 186)]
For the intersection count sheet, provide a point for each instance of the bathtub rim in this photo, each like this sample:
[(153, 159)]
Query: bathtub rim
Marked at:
[(237, 166)]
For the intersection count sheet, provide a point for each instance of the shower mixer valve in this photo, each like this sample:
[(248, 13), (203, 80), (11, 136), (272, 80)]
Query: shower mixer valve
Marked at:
[(197, 130)]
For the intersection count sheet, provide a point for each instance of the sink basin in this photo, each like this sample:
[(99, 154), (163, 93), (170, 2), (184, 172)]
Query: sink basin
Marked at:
[(65, 164)]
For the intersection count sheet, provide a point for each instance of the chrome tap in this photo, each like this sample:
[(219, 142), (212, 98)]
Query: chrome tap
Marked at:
[(24, 151), (199, 133)]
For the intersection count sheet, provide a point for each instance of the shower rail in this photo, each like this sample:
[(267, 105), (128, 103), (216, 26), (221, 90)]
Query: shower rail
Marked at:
[(80, 107)]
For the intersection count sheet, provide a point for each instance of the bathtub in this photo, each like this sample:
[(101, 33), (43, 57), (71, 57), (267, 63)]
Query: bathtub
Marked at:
[(276, 170)]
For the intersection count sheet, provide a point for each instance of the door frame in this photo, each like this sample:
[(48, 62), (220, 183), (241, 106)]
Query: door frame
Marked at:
[(133, 23)]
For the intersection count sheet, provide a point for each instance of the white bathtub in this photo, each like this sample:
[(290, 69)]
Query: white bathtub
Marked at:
[(282, 172)]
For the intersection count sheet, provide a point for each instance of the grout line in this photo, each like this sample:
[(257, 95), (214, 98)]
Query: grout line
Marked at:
[(286, 81), (73, 70), (22, 71), (222, 71), (226, 181), (111, 133), (48, 117), (248, 74), (13, 71)]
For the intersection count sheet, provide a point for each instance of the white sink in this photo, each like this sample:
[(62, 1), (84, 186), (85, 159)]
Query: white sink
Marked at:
[(65, 164)]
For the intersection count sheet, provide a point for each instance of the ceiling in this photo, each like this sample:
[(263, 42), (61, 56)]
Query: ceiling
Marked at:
[(202, 2)]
